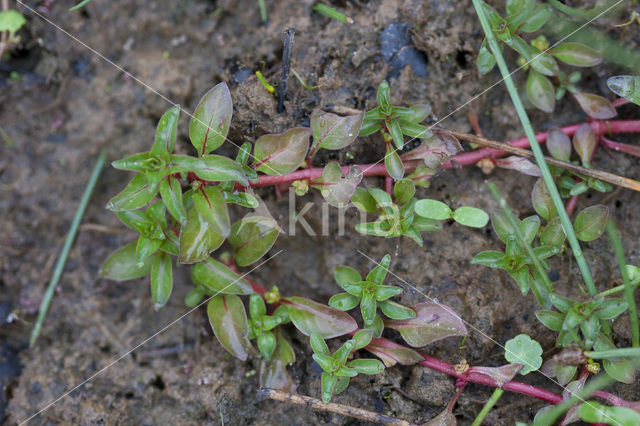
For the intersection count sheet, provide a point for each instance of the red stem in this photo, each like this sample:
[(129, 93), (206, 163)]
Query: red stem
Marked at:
[(621, 147), (571, 205), (465, 159)]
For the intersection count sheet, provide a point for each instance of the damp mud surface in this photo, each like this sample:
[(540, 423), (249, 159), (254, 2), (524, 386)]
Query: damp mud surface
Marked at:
[(60, 103)]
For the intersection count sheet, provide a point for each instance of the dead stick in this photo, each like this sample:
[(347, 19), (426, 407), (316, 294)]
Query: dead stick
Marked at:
[(332, 407), (598, 174)]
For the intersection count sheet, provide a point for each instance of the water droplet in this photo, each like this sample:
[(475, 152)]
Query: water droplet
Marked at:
[(350, 134)]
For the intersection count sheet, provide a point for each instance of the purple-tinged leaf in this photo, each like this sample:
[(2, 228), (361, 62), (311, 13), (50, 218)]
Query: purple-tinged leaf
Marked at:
[(166, 133), (432, 322), (218, 277), (435, 151), (122, 265), (197, 239), (210, 122), (584, 142), (576, 54), (542, 202), (251, 237), (501, 375), (564, 373), (591, 222), (559, 144), (315, 318), (137, 194), (540, 91), (331, 131), (210, 203), (273, 373), (337, 189), (282, 153), (391, 353), (595, 106), (519, 164), (161, 279), (229, 322), (393, 163)]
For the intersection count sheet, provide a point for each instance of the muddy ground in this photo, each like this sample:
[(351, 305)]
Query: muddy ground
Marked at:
[(68, 103)]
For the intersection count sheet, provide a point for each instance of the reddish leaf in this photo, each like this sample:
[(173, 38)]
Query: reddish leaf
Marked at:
[(197, 239), (435, 151), (542, 202), (337, 189), (210, 203), (432, 322), (391, 353), (315, 318), (251, 237), (501, 375), (558, 144), (576, 54), (584, 142), (540, 91), (122, 265), (519, 164), (229, 322), (282, 153), (218, 277), (446, 418), (590, 222), (210, 122), (595, 106), (331, 131)]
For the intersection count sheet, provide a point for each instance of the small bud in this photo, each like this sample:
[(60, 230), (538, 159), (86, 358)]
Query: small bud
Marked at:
[(272, 296), (541, 43), (301, 187), (593, 367), (462, 367), (522, 63)]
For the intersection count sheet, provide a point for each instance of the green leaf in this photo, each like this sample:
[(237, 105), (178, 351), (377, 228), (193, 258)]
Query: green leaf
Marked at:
[(319, 346), (611, 308), (403, 191), (344, 301), (229, 322), (146, 247), (328, 383), (370, 126), (529, 228), (122, 265), (362, 338), (395, 310), (137, 194), (626, 86), (171, 193), (471, 216), (312, 317), (433, 209), (544, 63), (166, 134), (522, 349), (368, 307), (594, 412), (413, 130), (384, 103), (282, 153), (337, 189), (558, 144), (161, 279), (212, 168), (366, 366), (266, 344), (331, 131), (11, 20), (423, 224), (393, 163), (211, 205), (550, 319), (384, 292), (542, 202), (343, 352), (553, 234), (488, 258), (364, 201), (576, 54), (194, 297), (537, 19), (485, 60), (563, 304), (595, 106), (197, 239), (243, 199), (346, 275), (540, 91), (257, 308), (217, 277), (418, 113), (140, 162), (378, 274), (391, 353), (432, 322), (210, 122), (584, 142), (591, 222), (251, 237)]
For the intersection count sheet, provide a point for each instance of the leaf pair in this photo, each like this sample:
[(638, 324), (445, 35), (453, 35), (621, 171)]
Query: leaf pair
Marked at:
[(437, 210)]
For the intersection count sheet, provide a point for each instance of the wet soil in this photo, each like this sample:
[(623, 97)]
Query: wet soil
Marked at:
[(68, 103)]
